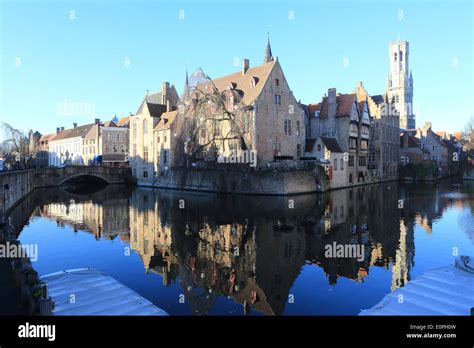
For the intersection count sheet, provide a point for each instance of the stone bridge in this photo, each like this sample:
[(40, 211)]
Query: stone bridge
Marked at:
[(16, 185)]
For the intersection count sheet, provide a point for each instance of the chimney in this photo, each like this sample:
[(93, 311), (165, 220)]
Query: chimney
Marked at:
[(245, 66), (168, 105), (74, 125), (332, 105), (61, 129), (58, 130), (164, 92), (97, 121), (405, 140)]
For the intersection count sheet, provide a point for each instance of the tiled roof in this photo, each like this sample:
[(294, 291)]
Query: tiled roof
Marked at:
[(312, 108), (331, 144), (79, 131), (109, 124), (344, 105), (241, 82), (442, 134), (166, 120), (123, 122), (47, 137)]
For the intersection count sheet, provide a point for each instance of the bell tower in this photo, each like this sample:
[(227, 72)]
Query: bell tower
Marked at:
[(400, 82)]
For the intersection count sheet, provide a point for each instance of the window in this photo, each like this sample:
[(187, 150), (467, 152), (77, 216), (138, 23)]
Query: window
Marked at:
[(351, 161), (287, 127), (435, 148), (277, 82), (145, 127), (165, 156), (277, 99), (111, 137), (297, 128), (362, 161), (397, 98), (364, 144), (342, 164), (119, 137), (298, 151), (319, 147), (145, 153), (115, 148), (395, 56), (401, 56), (135, 130), (145, 174), (158, 139), (352, 143), (335, 164), (107, 148), (276, 149), (122, 148), (165, 139)]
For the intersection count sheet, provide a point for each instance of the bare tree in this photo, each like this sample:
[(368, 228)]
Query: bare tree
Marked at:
[(15, 143), (469, 135), (212, 122)]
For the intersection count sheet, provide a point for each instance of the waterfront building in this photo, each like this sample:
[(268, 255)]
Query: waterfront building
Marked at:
[(384, 134), (42, 150), (411, 151), (67, 145), (400, 83), (142, 146), (109, 141), (434, 144), (328, 153), (80, 145), (165, 142), (346, 119), (273, 124)]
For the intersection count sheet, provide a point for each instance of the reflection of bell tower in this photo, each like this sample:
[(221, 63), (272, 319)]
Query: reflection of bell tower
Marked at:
[(400, 269), (400, 83)]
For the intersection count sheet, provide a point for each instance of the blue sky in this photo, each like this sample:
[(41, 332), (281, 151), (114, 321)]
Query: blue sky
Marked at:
[(50, 55)]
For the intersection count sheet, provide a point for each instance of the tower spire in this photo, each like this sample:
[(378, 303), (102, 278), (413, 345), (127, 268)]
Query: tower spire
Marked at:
[(268, 51)]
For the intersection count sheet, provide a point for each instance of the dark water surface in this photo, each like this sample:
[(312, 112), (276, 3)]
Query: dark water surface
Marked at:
[(194, 253)]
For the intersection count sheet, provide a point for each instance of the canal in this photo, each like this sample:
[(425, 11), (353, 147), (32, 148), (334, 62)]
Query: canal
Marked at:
[(208, 254)]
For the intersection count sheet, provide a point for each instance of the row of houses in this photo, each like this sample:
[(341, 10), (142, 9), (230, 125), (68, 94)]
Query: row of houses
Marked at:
[(104, 142), (354, 136)]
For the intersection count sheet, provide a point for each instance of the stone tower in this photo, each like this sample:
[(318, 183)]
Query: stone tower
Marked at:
[(400, 83)]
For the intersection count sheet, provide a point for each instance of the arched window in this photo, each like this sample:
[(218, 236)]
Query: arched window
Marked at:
[(145, 127)]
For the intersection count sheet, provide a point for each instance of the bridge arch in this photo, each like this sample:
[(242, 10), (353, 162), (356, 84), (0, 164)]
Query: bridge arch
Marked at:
[(84, 175)]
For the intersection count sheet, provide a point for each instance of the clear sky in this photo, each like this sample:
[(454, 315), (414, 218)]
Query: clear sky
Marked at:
[(102, 56)]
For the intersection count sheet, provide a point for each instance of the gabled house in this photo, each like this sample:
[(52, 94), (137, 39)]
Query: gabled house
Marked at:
[(274, 125), (385, 133), (164, 156), (142, 147), (346, 119), (328, 153)]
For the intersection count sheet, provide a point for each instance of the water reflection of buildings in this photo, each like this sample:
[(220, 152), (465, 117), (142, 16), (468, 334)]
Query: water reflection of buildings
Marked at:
[(252, 249), (105, 218)]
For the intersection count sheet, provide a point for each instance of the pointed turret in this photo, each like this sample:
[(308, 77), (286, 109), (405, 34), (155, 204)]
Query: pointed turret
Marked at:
[(186, 85), (268, 52)]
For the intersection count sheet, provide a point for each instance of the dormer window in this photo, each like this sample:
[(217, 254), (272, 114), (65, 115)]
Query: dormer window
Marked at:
[(254, 81)]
